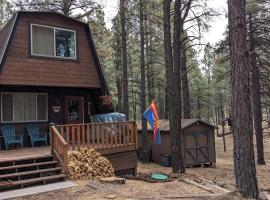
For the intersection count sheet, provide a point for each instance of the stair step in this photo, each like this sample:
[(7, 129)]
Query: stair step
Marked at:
[(40, 179), (30, 172), (28, 165)]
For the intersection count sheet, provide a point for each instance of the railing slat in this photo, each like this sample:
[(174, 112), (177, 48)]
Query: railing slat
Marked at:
[(102, 136), (73, 138), (88, 136), (112, 134), (93, 135), (67, 133), (98, 136), (106, 132), (78, 138), (83, 135), (120, 133)]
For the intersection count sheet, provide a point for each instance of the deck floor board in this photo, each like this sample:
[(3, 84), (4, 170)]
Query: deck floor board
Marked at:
[(25, 153)]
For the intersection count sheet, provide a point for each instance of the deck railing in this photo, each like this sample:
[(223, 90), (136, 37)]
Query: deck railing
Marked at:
[(98, 136), (59, 147)]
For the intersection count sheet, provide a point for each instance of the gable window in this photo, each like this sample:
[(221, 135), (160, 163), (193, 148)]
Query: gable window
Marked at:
[(53, 42), (24, 107)]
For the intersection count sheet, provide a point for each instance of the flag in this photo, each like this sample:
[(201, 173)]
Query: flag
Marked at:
[(151, 116)]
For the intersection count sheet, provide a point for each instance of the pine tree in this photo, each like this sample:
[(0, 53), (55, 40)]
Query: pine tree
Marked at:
[(244, 164)]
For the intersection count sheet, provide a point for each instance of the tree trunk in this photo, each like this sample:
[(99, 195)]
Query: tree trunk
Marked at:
[(185, 86), (177, 159), (173, 82), (256, 96), (244, 164), (198, 104), (124, 57), (66, 7), (145, 155), (117, 49)]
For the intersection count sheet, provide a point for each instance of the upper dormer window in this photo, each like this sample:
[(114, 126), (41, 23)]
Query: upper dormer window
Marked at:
[(53, 42)]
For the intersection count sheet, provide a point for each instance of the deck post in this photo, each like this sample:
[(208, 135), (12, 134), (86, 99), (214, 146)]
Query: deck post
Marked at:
[(51, 137), (65, 159)]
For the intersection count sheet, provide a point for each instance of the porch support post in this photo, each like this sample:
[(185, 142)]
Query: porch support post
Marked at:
[(51, 137)]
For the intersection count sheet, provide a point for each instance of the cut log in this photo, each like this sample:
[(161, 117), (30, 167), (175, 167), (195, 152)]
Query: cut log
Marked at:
[(113, 180)]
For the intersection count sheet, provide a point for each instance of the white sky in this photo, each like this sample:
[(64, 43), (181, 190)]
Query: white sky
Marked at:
[(218, 24)]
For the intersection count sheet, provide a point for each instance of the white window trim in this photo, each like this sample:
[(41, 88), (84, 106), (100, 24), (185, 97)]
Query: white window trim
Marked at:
[(54, 28), (13, 121)]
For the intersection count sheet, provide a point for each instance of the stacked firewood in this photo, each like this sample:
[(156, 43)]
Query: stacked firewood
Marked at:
[(88, 164)]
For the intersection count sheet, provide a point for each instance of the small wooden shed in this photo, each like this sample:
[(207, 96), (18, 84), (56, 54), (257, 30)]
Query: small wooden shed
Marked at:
[(198, 141)]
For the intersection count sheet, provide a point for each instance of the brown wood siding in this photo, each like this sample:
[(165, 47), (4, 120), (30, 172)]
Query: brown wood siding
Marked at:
[(21, 69), (57, 118)]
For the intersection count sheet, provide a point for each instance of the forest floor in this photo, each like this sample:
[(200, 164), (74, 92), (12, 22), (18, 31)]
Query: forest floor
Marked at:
[(198, 183)]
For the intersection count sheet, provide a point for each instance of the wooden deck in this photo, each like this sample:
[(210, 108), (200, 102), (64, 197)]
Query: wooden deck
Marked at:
[(116, 141), (25, 153)]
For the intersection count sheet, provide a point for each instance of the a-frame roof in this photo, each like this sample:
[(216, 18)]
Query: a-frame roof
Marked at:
[(7, 32)]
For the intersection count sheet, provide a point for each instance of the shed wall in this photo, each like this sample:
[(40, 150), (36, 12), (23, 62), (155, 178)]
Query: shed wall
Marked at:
[(165, 148)]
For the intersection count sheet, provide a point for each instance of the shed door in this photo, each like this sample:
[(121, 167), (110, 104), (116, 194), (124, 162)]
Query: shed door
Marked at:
[(74, 110), (196, 147)]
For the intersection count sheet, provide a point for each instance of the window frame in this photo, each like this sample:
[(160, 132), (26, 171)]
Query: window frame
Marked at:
[(25, 121), (54, 42)]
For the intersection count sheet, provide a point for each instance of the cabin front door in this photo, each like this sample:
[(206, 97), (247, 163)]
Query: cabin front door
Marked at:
[(74, 110)]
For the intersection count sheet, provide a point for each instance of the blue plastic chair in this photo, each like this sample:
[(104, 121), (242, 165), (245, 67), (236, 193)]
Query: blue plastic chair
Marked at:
[(10, 136), (35, 136)]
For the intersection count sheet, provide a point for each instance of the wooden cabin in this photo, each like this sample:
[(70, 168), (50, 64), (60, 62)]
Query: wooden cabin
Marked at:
[(50, 73), (198, 142)]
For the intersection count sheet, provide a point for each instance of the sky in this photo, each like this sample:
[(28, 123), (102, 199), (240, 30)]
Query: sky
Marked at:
[(215, 33)]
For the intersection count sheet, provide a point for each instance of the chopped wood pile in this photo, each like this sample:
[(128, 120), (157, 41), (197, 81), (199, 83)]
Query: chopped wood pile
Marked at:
[(88, 164)]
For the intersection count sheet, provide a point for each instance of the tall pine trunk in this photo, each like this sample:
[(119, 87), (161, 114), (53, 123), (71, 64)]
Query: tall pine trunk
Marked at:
[(244, 164), (124, 57), (256, 96), (145, 156), (173, 82), (117, 49), (185, 86)]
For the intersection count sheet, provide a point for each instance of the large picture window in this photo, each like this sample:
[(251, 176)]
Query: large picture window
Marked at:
[(53, 42), (24, 107)]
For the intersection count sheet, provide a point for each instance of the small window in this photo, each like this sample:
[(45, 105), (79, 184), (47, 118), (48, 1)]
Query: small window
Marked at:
[(42, 40), (53, 42), (65, 43), (24, 107)]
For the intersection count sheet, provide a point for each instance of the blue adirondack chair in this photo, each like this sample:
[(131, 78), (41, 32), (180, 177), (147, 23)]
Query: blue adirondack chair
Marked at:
[(10, 137), (35, 136)]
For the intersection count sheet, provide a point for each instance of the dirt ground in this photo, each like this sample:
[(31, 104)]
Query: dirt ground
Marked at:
[(213, 178)]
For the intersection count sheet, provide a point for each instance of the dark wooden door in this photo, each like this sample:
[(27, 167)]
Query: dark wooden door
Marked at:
[(196, 147), (74, 110)]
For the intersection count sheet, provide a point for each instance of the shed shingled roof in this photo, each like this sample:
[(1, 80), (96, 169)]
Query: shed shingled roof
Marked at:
[(6, 34), (164, 124)]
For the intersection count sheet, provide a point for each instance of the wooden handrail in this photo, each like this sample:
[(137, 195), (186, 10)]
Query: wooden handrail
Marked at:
[(101, 123), (59, 135)]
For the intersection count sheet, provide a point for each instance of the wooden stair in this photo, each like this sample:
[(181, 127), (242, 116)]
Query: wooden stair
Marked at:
[(30, 171)]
